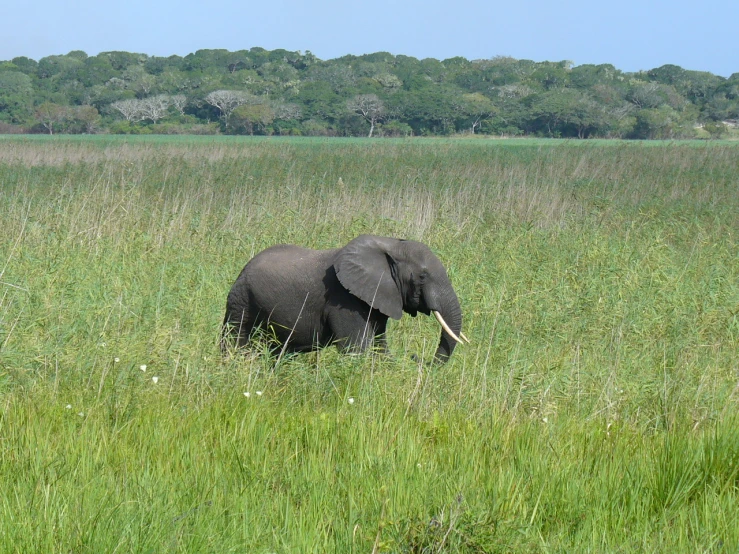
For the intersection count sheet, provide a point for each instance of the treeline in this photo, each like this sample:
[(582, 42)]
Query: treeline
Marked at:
[(279, 92)]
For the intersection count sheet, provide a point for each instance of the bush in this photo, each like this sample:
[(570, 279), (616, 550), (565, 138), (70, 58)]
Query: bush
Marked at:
[(394, 129), (715, 129), (185, 129), (315, 128), (287, 128), (128, 128), (662, 123), (10, 129)]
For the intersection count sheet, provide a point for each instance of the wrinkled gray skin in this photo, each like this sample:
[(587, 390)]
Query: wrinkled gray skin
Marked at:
[(344, 296)]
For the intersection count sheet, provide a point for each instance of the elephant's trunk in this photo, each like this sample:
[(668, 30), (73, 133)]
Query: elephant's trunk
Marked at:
[(451, 314), (449, 331)]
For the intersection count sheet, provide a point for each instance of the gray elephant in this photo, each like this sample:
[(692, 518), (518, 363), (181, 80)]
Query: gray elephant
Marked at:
[(343, 296)]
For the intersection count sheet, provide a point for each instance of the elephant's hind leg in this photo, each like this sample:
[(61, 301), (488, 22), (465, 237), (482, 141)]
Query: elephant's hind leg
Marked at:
[(238, 326)]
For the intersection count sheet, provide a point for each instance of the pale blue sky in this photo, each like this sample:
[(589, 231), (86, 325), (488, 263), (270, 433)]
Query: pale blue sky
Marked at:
[(630, 34)]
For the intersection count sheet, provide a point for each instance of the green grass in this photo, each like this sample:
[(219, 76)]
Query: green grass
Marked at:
[(596, 409), (184, 140)]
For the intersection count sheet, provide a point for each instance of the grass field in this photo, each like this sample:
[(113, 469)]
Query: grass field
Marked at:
[(596, 410)]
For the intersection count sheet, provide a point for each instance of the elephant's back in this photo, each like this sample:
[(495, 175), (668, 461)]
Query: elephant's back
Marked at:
[(281, 269), (290, 259)]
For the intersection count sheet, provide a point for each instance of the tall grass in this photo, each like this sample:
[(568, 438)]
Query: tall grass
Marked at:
[(596, 409)]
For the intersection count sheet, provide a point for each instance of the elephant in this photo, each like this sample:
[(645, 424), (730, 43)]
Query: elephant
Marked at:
[(310, 299)]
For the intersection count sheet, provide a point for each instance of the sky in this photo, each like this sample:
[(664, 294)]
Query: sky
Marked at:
[(632, 35)]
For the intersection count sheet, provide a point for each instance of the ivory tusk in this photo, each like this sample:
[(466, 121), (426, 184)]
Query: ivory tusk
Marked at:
[(446, 328), (465, 339)]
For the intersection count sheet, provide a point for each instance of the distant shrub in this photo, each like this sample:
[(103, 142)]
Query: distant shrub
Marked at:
[(394, 129), (715, 129), (10, 129), (128, 128), (187, 129), (315, 128)]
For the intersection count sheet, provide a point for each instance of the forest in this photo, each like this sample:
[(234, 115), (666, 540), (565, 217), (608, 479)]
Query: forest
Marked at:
[(279, 92)]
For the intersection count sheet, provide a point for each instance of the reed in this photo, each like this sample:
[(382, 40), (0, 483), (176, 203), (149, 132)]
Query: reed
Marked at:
[(596, 409)]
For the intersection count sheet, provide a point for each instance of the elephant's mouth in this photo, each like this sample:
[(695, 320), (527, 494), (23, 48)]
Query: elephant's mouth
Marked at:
[(416, 304), (414, 310)]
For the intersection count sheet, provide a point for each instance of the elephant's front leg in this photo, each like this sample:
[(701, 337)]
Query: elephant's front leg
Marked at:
[(358, 330), (381, 343), (378, 338)]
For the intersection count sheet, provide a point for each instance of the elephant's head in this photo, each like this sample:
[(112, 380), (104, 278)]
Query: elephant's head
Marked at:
[(394, 276)]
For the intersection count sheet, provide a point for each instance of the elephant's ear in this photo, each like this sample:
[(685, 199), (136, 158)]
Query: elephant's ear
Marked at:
[(364, 268)]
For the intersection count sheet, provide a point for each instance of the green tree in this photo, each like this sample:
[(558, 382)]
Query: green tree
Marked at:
[(78, 55), (26, 65), (661, 123), (430, 110), (93, 71), (279, 75), (378, 57), (498, 95), (54, 65), (395, 129), (251, 117), (16, 95), (174, 81), (715, 129), (645, 95), (587, 76), (157, 65), (281, 55), (564, 112), (287, 116), (696, 86), (103, 96), (434, 70), (721, 107), (51, 115), (551, 75), (87, 118), (138, 80), (476, 109), (388, 81), (120, 61), (258, 56), (205, 59), (339, 77), (319, 100)]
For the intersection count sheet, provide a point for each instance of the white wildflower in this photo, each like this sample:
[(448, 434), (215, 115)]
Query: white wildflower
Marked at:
[(351, 400), (259, 393), (155, 379), (247, 394), (142, 367), (69, 406), (116, 360)]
